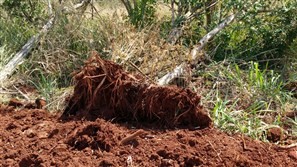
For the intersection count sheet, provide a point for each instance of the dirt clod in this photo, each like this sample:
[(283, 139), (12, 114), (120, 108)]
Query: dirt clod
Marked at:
[(15, 103), (275, 134), (293, 154), (40, 103), (30, 160)]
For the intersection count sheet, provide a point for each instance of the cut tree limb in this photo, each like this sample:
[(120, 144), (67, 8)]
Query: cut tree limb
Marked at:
[(181, 69)]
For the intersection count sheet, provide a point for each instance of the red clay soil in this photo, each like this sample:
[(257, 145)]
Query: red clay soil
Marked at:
[(33, 137), (88, 135), (104, 89)]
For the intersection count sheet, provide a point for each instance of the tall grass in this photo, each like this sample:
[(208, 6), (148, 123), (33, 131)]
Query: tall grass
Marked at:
[(5, 55), (248, 100)]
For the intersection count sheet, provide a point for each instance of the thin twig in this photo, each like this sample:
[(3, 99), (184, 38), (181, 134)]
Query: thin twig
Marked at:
[(244, 145), (23, 94), (215, 151), (288, 146), (95, 76), (133, 65)]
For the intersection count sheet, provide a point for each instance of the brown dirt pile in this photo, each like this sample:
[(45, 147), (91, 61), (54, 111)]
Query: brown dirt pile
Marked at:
[(104, 89), (36, 138)]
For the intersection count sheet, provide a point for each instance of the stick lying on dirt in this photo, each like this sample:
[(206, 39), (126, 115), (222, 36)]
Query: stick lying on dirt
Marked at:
[(179, 70), (131, 137)]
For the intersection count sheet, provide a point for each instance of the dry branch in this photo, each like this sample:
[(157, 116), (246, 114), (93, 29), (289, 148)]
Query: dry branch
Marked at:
[(131, 137), (82, 5), (18, 59), (181, 69), (211, 34)]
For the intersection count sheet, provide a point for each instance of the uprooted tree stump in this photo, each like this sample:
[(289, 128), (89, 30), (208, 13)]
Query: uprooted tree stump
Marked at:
[(104, 89)]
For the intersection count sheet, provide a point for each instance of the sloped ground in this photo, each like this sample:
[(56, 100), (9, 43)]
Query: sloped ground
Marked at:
[(35, 138), (81, 137)]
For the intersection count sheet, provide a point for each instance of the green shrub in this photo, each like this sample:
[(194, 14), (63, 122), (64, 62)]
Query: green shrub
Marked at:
[(259, 36), (29, 10), (13, 35)]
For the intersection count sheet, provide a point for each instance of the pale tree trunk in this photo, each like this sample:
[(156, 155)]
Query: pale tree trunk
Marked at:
[(19, 57), (183, 68), (188, 16)]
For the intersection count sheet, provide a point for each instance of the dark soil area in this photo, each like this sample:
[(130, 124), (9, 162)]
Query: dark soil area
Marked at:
[(35, 138)]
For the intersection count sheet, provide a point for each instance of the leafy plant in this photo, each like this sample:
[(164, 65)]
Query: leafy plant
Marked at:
[(13, 35), (140, 12), (262, 34), (231, 120), (29, 10)]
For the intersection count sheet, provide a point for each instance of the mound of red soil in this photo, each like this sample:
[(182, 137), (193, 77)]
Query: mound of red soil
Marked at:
[(103, 89), (36, 138)]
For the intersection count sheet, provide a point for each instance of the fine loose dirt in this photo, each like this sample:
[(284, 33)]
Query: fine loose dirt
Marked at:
[(117, 119), (36, 138)]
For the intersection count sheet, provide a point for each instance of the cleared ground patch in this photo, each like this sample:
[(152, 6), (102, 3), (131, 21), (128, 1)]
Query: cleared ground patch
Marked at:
[(36, 138)]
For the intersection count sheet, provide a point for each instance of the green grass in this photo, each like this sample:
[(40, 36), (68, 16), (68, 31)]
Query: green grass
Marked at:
[(231, 120), (248, 101), (5, 55), (45, 85)]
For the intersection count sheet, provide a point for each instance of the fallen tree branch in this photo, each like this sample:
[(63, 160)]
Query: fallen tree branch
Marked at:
[(82, 5), (177, 32), (181, 69), (174, 74), (19, 57), (9, 68), (50, 8), (203, 41)]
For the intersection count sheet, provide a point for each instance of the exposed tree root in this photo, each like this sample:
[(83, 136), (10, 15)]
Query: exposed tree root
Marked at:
[(104, 89)]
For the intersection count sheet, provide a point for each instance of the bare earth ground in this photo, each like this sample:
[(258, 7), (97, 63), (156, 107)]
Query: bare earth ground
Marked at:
[(33, 137)]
